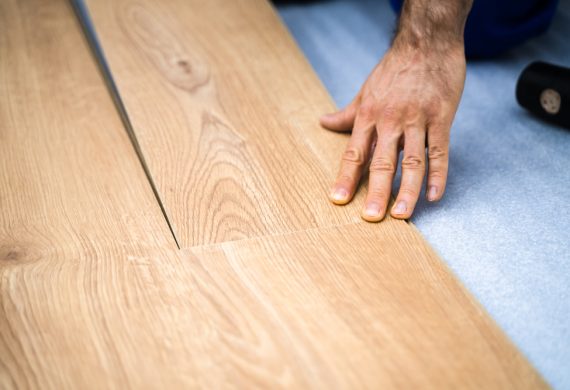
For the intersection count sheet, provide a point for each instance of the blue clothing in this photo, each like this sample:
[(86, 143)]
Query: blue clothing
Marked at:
[(495, 26)]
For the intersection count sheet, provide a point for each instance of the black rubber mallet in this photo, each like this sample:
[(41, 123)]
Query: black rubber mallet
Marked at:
[(544, 90)]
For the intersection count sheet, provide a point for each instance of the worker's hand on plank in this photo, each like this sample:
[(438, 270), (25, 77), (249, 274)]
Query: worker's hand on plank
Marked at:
[(407, 104)]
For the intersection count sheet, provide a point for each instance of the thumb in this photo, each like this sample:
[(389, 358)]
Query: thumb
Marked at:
[(342, 120)]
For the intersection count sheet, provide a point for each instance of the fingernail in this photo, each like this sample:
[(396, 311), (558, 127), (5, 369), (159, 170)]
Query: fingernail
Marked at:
[(432, 193), (400, 208), (340, 194), (372, 210)]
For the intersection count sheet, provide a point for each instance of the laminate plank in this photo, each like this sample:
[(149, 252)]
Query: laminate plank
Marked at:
[(225, 109), (73, 197), (361, 306), (339, 307), (69, 177)]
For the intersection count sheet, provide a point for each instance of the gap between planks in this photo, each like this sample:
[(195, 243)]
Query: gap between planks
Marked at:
[(89, 33)]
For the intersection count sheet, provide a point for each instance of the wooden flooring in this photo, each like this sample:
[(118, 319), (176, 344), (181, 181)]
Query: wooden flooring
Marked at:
[(226, 168), (69, 176), (274, 287)]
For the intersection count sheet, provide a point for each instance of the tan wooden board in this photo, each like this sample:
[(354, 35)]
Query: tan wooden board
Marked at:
[(71, 190), (225, 108), (356, 306), (68, 172), (328, 308)]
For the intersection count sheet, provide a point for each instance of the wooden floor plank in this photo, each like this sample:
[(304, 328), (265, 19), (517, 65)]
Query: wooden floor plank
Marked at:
[(68, 174), (328, 308), (73, 198), (226, 115), (349, 308)]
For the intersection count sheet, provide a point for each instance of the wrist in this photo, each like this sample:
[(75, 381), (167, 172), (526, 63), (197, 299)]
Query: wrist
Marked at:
[(409, 42), (432, 25), (438, 56)]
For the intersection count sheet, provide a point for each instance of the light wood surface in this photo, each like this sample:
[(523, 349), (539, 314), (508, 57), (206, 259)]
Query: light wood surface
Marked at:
[(226, 114), (345, 307), (328, 308), (94, 293), (68, 172)]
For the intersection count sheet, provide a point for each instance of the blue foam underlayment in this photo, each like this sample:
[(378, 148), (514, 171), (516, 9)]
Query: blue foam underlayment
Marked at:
[(504, 224)]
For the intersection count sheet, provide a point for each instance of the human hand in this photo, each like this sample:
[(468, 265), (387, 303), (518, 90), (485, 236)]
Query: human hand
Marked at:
[(408, 102)]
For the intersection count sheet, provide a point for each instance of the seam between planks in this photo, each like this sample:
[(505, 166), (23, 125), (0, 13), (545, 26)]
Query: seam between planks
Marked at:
[(90, 35), (224, 244), (84, 19)]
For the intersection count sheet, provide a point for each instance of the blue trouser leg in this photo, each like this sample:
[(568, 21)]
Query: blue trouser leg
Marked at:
[(495, 26)]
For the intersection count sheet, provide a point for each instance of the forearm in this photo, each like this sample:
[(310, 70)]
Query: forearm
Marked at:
[(432, 24)]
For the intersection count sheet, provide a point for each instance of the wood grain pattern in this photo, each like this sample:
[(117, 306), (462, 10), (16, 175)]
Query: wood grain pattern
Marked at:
[(348, 308), (226, 115), (68, 172), (328, 308), (93, 293), (71, 191)]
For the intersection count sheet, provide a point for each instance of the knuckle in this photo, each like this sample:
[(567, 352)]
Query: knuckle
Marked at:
[(437, 153), (389, 112), (409, 192), (378, 194), (367, 109), (382, 165), (436, 174), (412, 162), (432, 107), (347, 115), (353, 156), (348, 112)]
